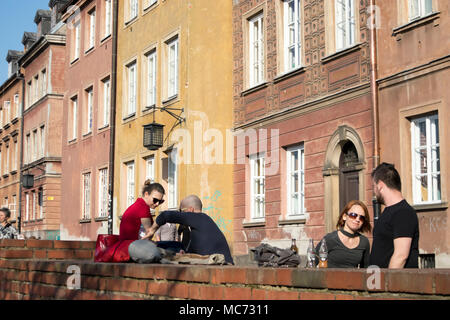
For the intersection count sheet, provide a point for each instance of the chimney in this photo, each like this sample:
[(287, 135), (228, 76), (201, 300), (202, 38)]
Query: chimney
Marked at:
[(56, 7), (28, 39), (12, 58), (43, 22)]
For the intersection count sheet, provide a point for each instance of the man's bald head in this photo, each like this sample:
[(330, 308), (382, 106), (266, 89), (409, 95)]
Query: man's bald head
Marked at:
[(193, 202)]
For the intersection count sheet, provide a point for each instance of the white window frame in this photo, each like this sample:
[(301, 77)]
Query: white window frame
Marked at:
[(77, 38), (345, 27), (130, 167), (106, 101), (172, 67), (44, 82), (90, 110), (33, 209), (7, 108), (150, 168), (151, 78), (103, 193), (434, 194), (133, 9), (257, 201), (7, 159), (35, 145), (292, 196), (13, 208), (92, 17), (418, 8), (86, 208), (292, 24), (108, 18), (27, 206), (16, 105), (172, 179), (42, 140), (149, 3), (16, 148), (132, 88), (256, 50), (74, 114)]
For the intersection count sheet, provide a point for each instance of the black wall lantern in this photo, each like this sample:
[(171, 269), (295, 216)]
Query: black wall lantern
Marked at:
[(153, 136), (154, 132), (28, 181)]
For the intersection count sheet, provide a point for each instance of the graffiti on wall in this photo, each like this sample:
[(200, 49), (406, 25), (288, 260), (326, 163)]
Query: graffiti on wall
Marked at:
[(212, 208)]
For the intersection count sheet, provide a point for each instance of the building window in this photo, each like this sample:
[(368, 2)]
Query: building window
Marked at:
[(13, 208), (77, 40), (86, 196), (42, 142), (35, 145), (44, 83), (295, 181), (7, 108), (103, 193), (345, 23), (150, 169), (151, 78), (256, 50), (36, 89), (73, 119), (257, 187), (28, 149), (108, 17), (292, 34), (130, 183), (132, 90), (41, 203), (27, 206), (91, 36), (89, 110), (106, 102), (426, 160), (419, 8), (7, 160), (16, 106), (172, 68), (172, 180), (33, 209), (29, 94), (133, 9), (149, 3), (14, 162)]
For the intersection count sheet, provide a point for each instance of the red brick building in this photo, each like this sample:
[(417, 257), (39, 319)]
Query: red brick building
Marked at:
[(43, 68), (86, 118), (10, 136), (303, 70), (413, 75)]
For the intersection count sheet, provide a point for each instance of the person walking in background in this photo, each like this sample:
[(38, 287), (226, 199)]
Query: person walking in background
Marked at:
[(347, 247), (167, 232), (7, 231), (396, 234), (205, 236)]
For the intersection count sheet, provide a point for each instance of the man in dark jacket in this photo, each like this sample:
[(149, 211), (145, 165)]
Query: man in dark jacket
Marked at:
[(205, 236)]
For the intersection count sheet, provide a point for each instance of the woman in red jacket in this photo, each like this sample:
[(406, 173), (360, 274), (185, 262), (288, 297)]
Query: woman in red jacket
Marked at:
[(136, 215)]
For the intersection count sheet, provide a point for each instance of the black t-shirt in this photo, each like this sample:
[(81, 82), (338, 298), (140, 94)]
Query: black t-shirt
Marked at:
[(396, 221), (205, 236)]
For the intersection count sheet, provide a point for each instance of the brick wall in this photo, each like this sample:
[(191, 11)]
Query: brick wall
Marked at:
[(43, 279), (46, 249)]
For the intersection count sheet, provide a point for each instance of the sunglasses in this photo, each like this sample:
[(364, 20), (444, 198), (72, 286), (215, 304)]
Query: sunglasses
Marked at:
[(355, 215), (158, 201)]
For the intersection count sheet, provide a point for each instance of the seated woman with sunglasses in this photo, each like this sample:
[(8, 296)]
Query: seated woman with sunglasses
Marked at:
[(136, 215), (347, 247)]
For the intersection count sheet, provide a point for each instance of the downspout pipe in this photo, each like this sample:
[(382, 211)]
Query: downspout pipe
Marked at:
[(113, 117), (374, 90), (22, 107)]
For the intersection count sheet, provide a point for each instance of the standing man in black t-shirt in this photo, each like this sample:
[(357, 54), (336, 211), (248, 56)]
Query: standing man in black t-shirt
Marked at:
[(396, 234)]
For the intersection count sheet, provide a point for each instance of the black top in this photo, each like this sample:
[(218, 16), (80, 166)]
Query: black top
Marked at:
[(206, 237), (340, 256), (396, 221)]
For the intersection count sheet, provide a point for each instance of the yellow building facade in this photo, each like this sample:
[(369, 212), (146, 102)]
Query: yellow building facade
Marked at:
[(175, 54)]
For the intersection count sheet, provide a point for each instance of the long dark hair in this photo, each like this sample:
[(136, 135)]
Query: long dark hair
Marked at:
[(149, 187)]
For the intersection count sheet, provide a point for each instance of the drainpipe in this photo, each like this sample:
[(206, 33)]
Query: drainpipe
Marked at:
[(374, 90), (22, 107), (113, 116)]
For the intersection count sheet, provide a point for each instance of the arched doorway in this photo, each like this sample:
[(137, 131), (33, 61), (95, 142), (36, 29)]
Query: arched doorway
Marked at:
[(343, 173)]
